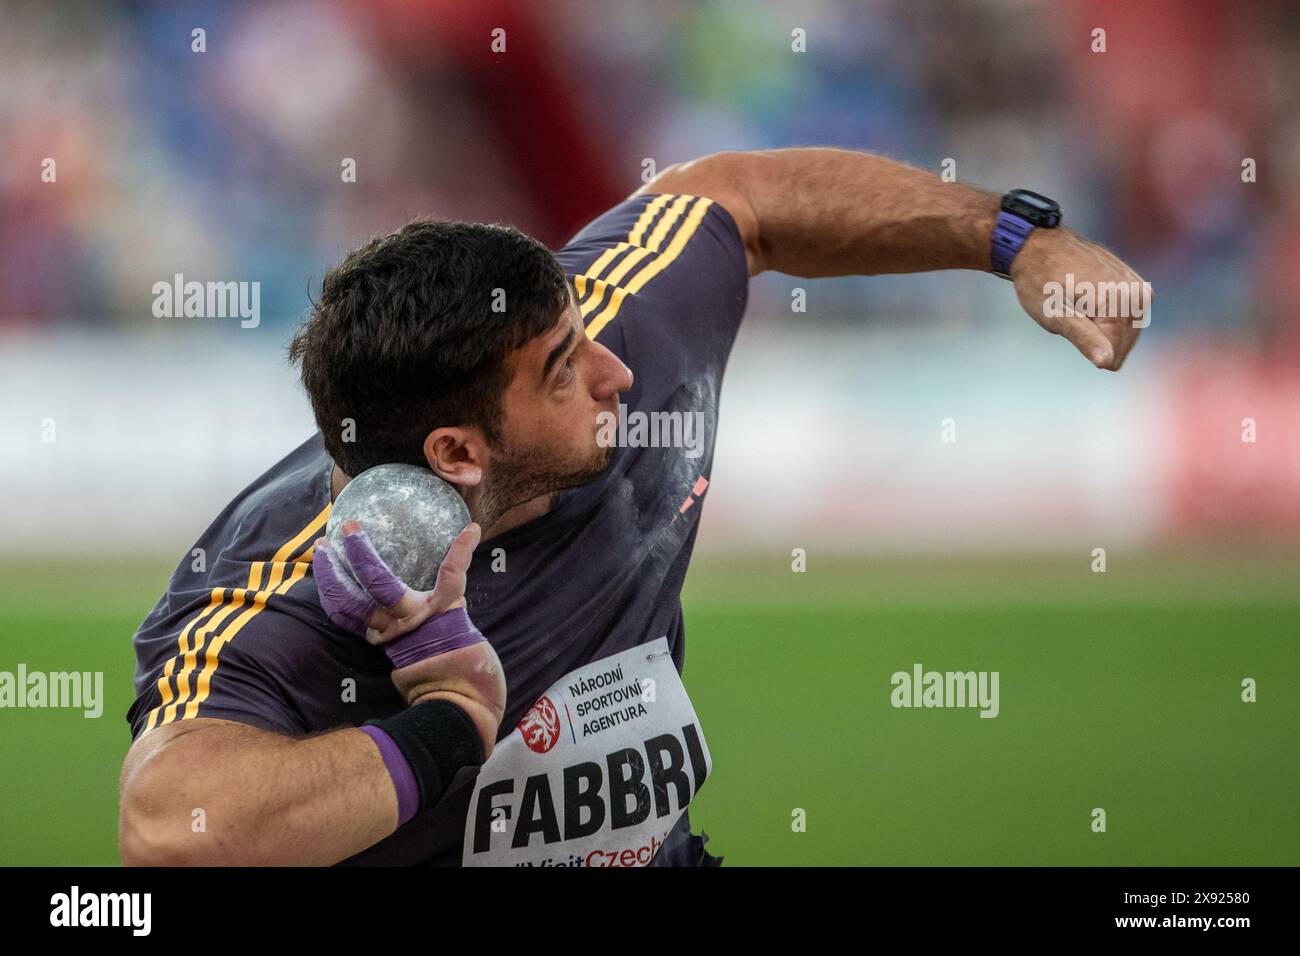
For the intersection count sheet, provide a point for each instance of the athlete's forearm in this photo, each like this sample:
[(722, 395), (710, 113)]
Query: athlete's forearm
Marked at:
[(826, 212), (820, 211), (227, 794)]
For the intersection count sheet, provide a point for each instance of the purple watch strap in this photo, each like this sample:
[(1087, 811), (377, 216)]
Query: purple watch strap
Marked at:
[(408, 791), (1009, 237), (439, 634)]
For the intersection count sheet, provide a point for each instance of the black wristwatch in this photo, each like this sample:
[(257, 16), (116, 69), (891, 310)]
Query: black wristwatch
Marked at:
[(1022, 212)]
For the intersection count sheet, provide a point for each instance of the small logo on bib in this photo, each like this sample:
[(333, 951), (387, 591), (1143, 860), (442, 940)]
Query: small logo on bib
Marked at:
[(540, 727)]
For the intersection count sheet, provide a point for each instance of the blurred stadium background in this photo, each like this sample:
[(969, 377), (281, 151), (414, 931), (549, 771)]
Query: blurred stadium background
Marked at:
[(1120, 690)]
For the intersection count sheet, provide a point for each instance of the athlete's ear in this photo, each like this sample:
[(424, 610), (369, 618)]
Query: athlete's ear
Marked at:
[(457, 455)]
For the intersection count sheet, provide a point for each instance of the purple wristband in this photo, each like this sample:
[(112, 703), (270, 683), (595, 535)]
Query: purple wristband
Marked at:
[(1010, 234), (408, 791), (439, 634)]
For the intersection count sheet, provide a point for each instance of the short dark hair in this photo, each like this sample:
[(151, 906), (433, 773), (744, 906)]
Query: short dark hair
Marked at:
[(413, 331)]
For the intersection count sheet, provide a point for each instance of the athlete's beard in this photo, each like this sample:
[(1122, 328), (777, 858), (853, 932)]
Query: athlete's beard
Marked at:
[(522, 474)]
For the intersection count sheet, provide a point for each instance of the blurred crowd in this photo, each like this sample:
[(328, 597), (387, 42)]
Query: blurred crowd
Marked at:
[(228, 163)]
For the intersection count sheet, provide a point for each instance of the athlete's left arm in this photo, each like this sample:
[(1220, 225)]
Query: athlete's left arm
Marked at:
[(829, 212)]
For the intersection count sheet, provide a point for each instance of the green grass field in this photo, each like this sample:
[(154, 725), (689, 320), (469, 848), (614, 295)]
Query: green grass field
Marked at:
[(1119, 690)]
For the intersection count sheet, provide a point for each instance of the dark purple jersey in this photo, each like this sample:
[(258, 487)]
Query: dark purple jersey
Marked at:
[(240, 635)]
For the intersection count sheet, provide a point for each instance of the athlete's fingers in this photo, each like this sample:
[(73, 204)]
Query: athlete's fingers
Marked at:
[(345, 602), (1122, 335), (1074, 326), (388, 623), (1088, 338), (416, 607), (383, 626), (1120, 329), (1141, 318), (369, 568), (386, 627), (450, 586)]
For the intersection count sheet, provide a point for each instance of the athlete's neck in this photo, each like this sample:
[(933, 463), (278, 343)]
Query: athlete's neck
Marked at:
[(510, 518), (522, 514)]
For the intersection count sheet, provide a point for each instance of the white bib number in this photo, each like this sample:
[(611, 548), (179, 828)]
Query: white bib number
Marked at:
[(597, 772)]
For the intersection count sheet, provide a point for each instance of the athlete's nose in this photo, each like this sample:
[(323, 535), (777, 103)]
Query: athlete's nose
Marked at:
[(615, 377)]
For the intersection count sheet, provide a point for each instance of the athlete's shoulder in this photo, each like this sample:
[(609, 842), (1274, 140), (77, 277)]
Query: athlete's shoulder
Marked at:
[(653, 224), (681, 253), (240, 608), (292, 493)]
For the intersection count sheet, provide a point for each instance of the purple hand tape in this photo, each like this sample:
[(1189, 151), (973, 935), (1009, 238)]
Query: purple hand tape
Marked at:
[(370, 570), (344, 601), (439, 634)]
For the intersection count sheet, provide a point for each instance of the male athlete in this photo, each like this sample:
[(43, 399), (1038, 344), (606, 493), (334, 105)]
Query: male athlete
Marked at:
[(529, 710)]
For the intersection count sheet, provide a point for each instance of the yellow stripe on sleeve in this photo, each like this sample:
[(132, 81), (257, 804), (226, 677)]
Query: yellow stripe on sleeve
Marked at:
[(634, 254), (647, 216), (212, 653), (667, 222), (182, 642), (190, 660), (169, 708), (657, 265), (595, 271)]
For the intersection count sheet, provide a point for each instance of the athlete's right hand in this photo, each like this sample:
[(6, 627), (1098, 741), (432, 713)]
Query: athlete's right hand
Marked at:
[(375, 603)]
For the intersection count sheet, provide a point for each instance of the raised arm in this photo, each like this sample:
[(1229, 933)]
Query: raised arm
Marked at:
[(816, 211)]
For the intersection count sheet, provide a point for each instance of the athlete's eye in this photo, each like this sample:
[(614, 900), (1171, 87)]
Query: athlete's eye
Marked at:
[(566, 373)]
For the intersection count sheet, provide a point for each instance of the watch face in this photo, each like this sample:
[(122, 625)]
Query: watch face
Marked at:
[(1038, 209)]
